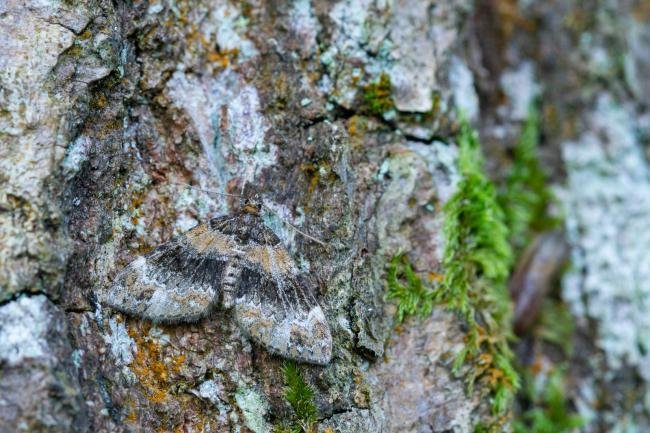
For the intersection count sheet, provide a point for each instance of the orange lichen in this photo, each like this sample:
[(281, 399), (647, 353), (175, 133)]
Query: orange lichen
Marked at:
[(316, 172), (223, 57), (361, 394), (150, 366), (132, 415), (641, 11), (356, 125), (100, 101)]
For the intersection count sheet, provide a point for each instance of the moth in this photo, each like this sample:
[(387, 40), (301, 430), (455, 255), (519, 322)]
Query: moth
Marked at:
[(236, 263)]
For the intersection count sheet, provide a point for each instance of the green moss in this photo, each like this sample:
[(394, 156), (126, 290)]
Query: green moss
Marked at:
[(548, 409), (556, 325), (301, 399), (477, 260), (377, 96), (406, 288), (525, 196)]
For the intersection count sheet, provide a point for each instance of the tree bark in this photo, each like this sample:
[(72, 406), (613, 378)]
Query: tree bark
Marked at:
[(107, 110)]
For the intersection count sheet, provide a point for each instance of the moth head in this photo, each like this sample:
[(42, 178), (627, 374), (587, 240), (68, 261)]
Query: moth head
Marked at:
[(252, 205)]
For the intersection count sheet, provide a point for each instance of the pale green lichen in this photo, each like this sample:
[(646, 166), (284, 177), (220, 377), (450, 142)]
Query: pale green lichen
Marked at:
[(254, 407)]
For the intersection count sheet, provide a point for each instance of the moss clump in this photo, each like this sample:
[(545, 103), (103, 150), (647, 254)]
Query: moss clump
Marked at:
[(556, 325), (377, 96), (548, 409), (406, 287), (301, 398), (477, 260), (525, 196)]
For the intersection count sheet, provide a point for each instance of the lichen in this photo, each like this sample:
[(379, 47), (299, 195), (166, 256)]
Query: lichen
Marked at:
[(152, 368), (521, 89), (23, 329), (461, 81), (608, 225), (122, 345), (227, 116), (254, 407), (227, 24)]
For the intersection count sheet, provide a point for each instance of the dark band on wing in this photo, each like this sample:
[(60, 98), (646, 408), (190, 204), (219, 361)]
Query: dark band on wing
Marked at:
[(263, 235), (247, 228), (286, 296), (179, 263)]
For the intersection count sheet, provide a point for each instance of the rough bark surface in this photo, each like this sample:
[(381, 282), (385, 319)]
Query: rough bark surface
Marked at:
[(107, 108)]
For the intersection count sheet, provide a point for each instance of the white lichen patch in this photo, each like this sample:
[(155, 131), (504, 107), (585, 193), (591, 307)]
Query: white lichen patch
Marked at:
[(254, 408), (304, 24), (608, 224), (521, 88), (211, 390), (403, 171), (23, 330), (76, 154), (431, 27), (349, 18), (352, 32), (226, 115), (121, 344), (370, 38), (277, 218), (441, 159), (184, 222), (418, 173), (227, 26), (462, 88), (194, 205)]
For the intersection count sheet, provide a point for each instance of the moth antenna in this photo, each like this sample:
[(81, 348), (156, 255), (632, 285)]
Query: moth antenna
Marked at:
[(310, 237)]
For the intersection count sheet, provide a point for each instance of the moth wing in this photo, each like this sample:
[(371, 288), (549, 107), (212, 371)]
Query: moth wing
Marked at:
[(275, 305), (177, 282)]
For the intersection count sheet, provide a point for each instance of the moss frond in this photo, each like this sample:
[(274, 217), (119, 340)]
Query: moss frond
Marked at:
[(477, 262), (377, 98), (549, 411), (407, 289), (301, 399), (525, 196)]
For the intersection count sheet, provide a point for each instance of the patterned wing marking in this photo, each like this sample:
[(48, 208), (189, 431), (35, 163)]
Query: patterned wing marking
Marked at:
[(276, 308), (177, 282)]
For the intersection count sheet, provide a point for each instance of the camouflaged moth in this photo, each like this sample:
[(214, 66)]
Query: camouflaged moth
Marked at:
[(238, 263)]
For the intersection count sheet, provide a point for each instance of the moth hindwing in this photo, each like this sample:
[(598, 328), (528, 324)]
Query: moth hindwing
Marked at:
[(237, 262)]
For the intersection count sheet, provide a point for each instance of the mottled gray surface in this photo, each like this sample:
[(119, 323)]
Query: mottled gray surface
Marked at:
[(39, 390), (105, 107)]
